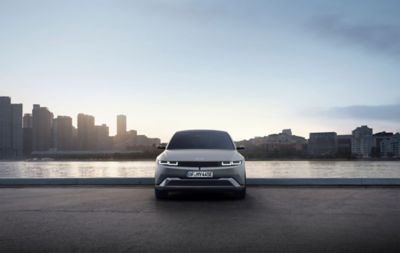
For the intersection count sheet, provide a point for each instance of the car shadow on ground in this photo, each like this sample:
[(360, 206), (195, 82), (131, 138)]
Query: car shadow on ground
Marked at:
[(202, 196)]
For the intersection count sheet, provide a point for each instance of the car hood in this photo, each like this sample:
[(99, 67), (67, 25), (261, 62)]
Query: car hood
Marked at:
[(200, 155)]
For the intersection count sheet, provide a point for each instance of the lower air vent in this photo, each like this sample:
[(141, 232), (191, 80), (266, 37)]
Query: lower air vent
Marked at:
[(199, 164), (199, 182)]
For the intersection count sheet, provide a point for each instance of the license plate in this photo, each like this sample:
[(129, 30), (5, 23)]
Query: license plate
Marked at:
[(199, 174)]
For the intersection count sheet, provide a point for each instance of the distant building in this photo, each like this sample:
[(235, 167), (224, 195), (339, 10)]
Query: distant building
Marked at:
[(62, 130), (121, 125), (284, 144), (143, 141), (279, 145), (120, 141), (344, 146), (376, 142), (361, 142), (132, 134), (322, 144), (86, 132), (75, 143), (129, 141), (16, 112), (390, 147), (287, 132), (42, 123), (103, 140), (27, 134), (10, 129), (27, 121)]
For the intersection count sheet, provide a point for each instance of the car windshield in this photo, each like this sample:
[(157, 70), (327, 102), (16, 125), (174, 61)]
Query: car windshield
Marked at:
[(201, 140)]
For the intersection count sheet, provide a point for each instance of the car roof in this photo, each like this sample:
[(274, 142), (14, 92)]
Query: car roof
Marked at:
[(201, 130)]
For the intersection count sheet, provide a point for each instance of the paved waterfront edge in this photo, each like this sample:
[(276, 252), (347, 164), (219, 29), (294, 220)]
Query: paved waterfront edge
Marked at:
[(250, 181)]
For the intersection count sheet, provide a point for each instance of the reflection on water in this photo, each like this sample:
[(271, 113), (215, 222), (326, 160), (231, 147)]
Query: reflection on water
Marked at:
[(261, 169)]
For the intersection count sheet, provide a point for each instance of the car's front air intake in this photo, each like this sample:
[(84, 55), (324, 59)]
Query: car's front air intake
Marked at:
[(199, 164), (199, 182)]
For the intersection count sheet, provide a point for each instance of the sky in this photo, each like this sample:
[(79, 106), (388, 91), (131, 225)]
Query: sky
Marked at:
[(251, 68)]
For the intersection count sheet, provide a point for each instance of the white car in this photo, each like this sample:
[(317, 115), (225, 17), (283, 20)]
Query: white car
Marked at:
[(200, 160)]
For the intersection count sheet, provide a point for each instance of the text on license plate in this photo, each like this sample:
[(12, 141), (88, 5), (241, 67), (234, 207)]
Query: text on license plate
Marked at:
[(199, 174)]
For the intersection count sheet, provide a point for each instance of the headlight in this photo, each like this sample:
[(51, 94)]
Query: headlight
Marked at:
[(231, 163), (168, 163)]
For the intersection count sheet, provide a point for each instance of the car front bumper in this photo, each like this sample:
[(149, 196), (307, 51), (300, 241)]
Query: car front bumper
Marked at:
[(224, 184), (224, 178)]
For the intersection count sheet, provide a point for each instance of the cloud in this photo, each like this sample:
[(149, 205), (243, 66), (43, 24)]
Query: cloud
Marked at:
[(372, 112), (384, 38)]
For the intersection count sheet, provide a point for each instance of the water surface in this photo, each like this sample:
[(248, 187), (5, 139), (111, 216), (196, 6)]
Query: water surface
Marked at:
[(255, 169)]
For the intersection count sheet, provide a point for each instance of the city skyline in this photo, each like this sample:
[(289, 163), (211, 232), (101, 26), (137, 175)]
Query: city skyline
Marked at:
[(248, 68), (113, 127), (121, 122), (42, 134)]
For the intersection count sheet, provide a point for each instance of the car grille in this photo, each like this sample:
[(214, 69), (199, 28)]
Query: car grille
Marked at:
[(199, 164), (199, 182)]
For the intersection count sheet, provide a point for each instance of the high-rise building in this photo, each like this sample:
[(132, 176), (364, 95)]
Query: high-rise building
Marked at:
[(390, 147), (42, 123), (16, 111), (62, 133), (344, 146), (322, 144), (361, 143), (103, 139), (27, 134), (75, 143), (86, 132), (10, 129), (27, 120), (376, 142), (121, 125)]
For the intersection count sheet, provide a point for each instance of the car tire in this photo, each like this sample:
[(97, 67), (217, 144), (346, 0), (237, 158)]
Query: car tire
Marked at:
[(160, 194), (241, 194)]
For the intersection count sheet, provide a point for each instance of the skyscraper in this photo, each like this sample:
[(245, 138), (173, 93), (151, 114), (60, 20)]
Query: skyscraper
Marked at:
[(27, 134), (361, 143), (10, 129), (103, 139), (62, 130), (86, 132), (16, 112), (121, 125), (27, 121), (42, 120)]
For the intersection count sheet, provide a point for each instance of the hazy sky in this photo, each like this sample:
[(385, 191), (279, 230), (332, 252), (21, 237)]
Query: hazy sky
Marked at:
[(248, 67)]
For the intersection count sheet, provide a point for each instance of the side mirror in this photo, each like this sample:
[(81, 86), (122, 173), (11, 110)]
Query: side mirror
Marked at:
[(162, 146), (239, 147)]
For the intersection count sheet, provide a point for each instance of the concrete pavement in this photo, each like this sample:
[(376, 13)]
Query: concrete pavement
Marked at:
[(129, 219)]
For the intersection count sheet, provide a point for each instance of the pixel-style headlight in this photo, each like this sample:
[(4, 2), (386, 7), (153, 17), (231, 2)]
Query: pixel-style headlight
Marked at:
[(168, 163), (231, 163)]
